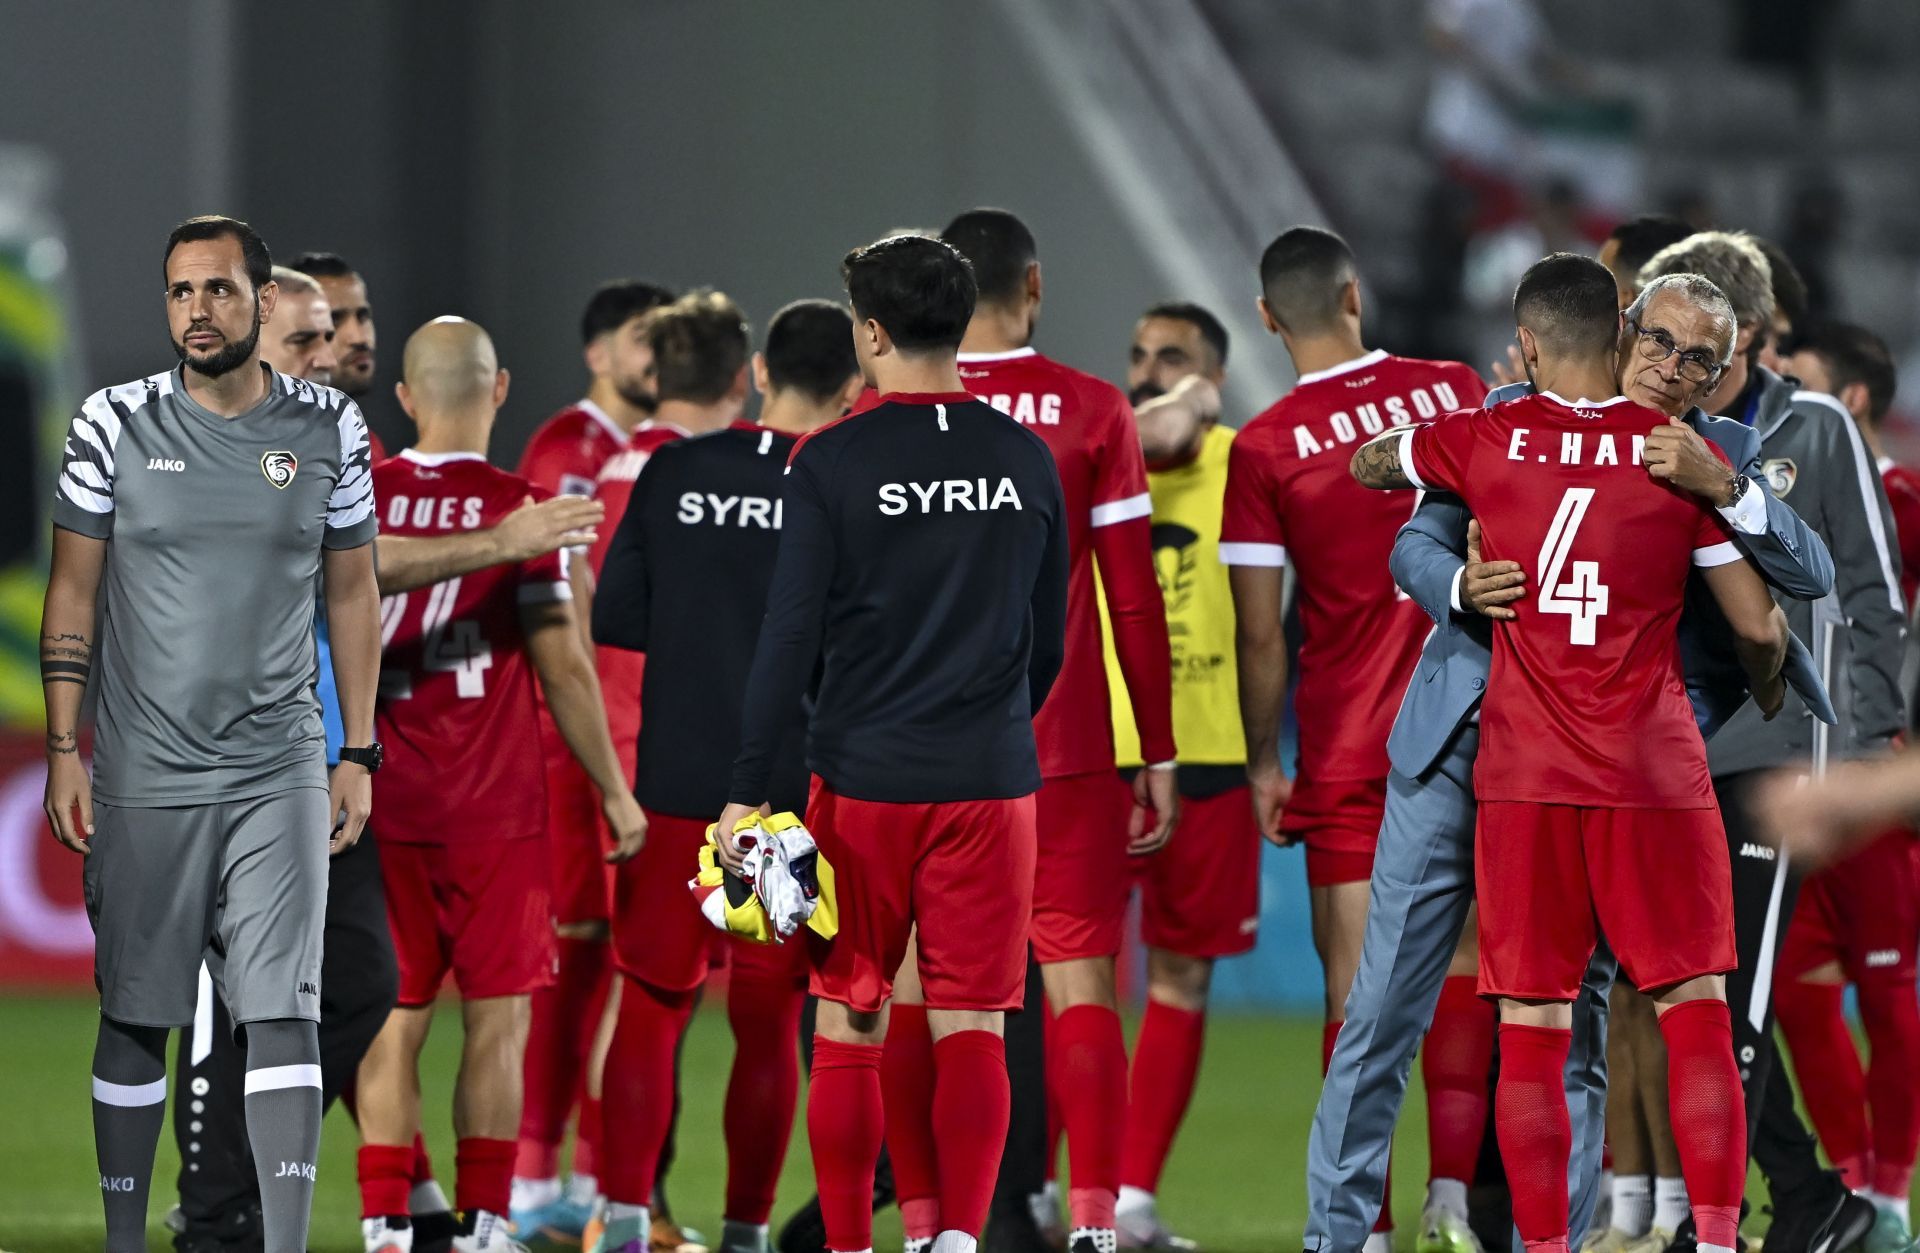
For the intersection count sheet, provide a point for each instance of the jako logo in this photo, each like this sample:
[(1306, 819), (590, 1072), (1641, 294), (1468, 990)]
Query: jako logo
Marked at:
[(308, 989), (953, 495), (1883, 957), (1762, 851), (116, 1183), (295, 1170), (160, 463)]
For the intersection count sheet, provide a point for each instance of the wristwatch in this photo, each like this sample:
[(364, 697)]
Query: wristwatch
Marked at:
[(1740, 485), (371, 756)]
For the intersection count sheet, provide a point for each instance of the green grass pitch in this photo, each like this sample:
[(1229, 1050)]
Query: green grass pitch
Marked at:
[(1236, 1182)]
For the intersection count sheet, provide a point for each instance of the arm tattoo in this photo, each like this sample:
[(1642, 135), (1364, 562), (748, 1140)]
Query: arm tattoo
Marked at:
[(1376, 463), (65, 658), (63, 742)]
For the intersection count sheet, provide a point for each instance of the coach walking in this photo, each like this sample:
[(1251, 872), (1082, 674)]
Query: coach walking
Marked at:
[(207, 500)]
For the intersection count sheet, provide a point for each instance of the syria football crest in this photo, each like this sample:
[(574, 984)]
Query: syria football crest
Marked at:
[(279, 467), (1780, 473)]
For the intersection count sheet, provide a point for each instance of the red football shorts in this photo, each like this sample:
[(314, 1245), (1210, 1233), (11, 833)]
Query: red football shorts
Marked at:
[(659, 934), (1084, 873), (1339, 821), (1863, 913), (576, 833), (960, 871), (477, 909), (1200, 895), (1551, 878)]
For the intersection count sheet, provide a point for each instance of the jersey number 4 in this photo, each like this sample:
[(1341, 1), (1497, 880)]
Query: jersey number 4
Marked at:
[(446, 646), (1583, 597)]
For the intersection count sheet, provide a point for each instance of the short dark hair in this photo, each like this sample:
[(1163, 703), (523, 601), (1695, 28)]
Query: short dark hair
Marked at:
[(1000, 247), (1199, 318), (810, 348), (1853, 354), (699, 343), (919, 288), (614, 302), (1569, 302), (1789, 289), (1302, 273), (322, 265), (1640, 238), (253, 249)]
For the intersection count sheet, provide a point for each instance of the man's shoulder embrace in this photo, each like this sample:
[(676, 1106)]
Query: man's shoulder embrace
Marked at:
[(1739, 441)]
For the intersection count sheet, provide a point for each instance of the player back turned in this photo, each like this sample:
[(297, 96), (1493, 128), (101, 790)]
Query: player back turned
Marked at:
[(1596, 811), (923, 567)]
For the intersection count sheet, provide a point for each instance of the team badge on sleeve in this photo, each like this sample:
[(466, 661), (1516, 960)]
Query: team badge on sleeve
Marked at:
[(279, 467)]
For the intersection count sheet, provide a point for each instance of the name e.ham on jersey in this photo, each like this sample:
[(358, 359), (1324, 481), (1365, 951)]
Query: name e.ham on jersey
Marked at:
[(1576, 449), (1369, 418)]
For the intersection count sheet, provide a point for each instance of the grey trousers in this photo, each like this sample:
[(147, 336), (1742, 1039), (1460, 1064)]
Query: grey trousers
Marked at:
[(1422, 887)]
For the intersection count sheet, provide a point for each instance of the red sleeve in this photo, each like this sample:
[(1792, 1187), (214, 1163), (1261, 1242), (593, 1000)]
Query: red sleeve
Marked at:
[(1251, 532), (547, 464), (376, 451), (1904, 496), (1123, 545), (1120, 471), (544, 578), (1436, 454), (1473, 388)]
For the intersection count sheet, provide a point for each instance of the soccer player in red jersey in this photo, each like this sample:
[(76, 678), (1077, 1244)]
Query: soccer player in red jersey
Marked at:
[(1291, 502), (565, 457), (466, 864), (1859, 920), (1596, 812), (1088, 839)]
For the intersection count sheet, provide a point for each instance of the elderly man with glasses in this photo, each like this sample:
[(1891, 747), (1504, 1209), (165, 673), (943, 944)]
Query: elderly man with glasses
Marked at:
[(1677, 340)]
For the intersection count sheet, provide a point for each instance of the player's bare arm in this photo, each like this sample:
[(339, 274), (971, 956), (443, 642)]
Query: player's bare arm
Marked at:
[(1170, 423), (533, 530), (1759, 629), (1376, 463), (1488, 587), (1261, 647), (572, 688), (353, 627), (1818, 821), (66, 663), (1677, 454)]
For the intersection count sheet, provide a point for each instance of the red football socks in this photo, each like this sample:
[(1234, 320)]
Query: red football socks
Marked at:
[(586, 1137), (1535, 1131), (1166, 1063), (482, 1174), (846, 1122), (637, 1089), (971, 1104), (1828, 1068), (565, 1017), (1087, 1070), (422, 1171), (385, 1179), (1891, 1014), (907, 1082), (1709, 1115), (1455, 1062), (1330, 1036), (762, 1092)]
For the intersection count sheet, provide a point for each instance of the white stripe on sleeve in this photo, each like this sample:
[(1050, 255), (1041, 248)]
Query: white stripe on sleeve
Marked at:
[(1123, 510), (1716, 554), (1272, 555), (1406, 460), (273, 1078), (130, 1095)]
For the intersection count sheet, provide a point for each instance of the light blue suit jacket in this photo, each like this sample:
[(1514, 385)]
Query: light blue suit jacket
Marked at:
[(1452, 674)]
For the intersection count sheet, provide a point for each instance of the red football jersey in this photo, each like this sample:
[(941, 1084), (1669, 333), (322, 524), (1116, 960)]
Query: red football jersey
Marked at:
[(456, 708), (621, 670), (565, 455), (1903, 493), (1088, 425), (1586, 704), (1291, 501)]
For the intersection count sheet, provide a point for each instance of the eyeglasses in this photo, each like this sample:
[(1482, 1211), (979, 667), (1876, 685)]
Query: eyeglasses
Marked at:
[(1695, 366)]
